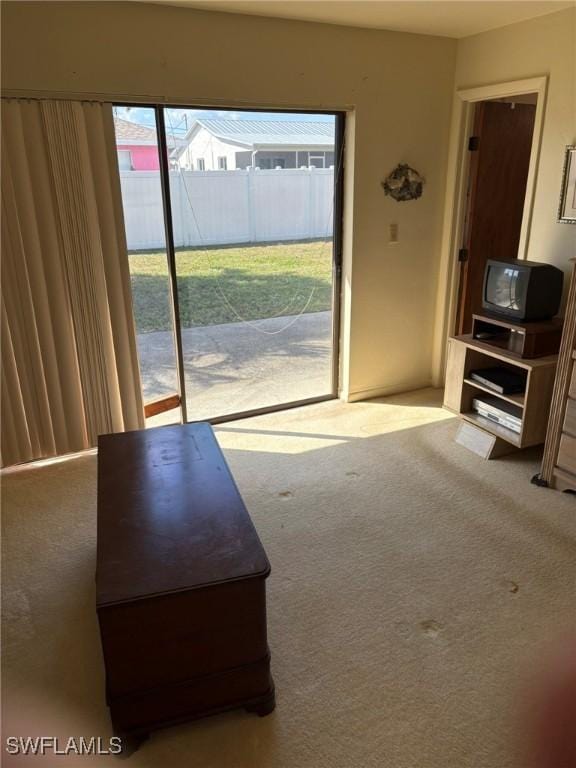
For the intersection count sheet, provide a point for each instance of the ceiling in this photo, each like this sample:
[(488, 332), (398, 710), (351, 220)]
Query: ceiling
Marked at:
[(448, 18)]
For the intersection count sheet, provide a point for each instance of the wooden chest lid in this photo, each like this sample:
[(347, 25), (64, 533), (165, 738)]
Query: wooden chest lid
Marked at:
[(170, 517)]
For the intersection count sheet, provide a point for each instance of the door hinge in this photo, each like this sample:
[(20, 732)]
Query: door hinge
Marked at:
[(473, 143), (463, 254)]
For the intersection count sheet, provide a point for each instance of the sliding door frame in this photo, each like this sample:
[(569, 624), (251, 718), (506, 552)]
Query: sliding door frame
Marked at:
[(171, 254), (337, 248)]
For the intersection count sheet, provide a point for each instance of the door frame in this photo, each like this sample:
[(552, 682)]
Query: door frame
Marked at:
[(465, 100)]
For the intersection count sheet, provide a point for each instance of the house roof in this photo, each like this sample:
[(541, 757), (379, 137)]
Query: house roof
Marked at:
[(128, 132), (273, 133)]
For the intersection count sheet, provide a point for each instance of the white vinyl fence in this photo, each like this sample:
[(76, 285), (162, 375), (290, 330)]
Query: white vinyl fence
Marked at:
[(220, 207)]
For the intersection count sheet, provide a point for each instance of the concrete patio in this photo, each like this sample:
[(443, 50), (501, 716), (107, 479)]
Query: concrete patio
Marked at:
[(236, 367)]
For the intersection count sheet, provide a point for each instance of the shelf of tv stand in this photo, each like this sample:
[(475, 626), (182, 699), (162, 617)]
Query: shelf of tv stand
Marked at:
[(530, 340), (517, 399), (466, 354), (508, 357)]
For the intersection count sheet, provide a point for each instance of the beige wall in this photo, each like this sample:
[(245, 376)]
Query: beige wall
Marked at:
[(542, 46), (399, 85), (545, 46)]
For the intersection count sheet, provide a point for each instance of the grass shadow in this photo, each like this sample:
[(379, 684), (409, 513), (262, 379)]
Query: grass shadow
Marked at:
[(226, 296)]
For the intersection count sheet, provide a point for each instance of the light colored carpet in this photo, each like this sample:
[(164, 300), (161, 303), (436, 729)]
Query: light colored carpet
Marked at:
[(415, 589)]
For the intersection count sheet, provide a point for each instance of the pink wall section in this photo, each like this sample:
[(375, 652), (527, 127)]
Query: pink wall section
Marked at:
[(143, 158)]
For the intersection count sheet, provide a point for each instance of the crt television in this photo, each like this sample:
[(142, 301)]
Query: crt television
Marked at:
[(525, 290)]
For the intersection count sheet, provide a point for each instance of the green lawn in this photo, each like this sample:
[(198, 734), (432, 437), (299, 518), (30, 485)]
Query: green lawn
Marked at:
[(225, 285)]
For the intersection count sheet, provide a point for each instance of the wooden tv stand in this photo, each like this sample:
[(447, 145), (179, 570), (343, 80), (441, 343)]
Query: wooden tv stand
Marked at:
[(466, 354)]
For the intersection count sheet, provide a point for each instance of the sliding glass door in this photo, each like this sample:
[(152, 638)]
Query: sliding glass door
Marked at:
[(250, 213)]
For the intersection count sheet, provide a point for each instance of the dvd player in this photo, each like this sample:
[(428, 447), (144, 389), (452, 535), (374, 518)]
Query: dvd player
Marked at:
[(498, 412), (500, 379)]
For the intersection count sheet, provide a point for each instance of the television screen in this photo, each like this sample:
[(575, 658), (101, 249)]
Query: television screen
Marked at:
[(526, 290), (506, 287)]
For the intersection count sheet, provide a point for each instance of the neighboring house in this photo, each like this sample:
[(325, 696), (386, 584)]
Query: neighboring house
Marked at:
[(137, 146), (212, 145)]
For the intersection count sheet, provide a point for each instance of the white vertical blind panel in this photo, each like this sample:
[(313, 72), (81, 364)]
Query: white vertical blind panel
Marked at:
[(69, 352)]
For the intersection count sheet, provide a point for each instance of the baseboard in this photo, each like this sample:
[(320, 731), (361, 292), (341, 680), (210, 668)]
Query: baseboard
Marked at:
[(39, 463), (395, 389)]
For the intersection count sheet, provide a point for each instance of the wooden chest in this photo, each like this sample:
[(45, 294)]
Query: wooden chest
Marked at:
[(180, 582)]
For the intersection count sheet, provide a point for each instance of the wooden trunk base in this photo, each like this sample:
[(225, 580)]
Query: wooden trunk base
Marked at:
[(265, 706), (249, 687)]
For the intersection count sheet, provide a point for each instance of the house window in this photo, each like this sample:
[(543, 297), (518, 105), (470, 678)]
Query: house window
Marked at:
[(200, 164), (316, 161), (265, 164), (222, 164), (279, 162), (125, 160)]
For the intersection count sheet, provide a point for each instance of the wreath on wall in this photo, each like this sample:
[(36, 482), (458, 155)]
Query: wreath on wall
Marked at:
[(404, 183)]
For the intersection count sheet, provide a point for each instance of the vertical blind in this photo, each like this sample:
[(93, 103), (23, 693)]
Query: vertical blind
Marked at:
[(69, 359)]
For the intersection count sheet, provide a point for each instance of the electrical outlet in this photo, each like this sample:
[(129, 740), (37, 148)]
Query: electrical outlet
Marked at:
[(393, 233)]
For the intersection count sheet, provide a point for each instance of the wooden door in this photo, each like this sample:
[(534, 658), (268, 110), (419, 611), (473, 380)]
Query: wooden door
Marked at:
[(496, 190)]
